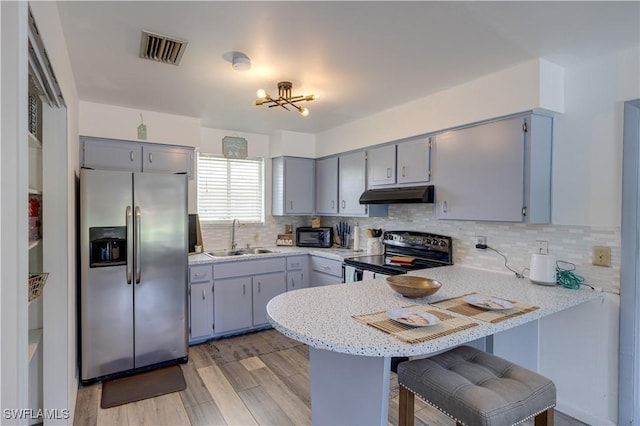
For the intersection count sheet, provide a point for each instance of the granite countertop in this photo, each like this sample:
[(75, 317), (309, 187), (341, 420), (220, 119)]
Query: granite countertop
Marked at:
[(277, 251), (322, 316)]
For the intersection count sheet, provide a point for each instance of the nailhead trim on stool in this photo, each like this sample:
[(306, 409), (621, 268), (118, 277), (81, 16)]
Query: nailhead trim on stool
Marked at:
[(476, 388)]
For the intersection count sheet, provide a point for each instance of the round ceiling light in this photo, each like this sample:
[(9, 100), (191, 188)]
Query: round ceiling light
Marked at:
[(239, 61)]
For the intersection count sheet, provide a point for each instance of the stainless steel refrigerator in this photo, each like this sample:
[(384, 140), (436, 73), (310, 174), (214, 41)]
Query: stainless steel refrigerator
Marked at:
[(133, 254)]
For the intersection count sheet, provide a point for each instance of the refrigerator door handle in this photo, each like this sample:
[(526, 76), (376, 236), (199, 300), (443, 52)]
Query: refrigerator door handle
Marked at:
[(137, 245), (129, 264)]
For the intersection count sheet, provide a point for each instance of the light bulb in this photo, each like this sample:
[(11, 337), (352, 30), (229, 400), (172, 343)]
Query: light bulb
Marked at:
[(261, 94), (304, 112)]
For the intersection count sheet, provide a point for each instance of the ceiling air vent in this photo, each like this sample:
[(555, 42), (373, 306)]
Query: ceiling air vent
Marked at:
[(161, 48)]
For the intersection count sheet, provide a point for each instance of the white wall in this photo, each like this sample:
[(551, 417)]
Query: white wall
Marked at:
[(294, 144), (516, 89)]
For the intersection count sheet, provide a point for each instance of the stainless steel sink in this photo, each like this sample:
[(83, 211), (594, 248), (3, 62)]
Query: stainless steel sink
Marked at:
[(239, 252)]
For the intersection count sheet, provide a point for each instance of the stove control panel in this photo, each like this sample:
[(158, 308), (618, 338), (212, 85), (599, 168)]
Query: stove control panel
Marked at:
[(418, 240)]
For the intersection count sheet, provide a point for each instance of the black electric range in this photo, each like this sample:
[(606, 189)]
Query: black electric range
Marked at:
[(428, 250)]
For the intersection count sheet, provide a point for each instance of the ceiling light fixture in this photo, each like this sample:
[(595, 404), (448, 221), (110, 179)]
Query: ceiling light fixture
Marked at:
[(285, 98), (239, 61)]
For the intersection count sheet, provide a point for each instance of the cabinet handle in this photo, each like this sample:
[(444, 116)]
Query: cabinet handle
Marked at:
[(404, 171), (388, 172), (444, 207), (293, 282), (258, 286), (344, 204), (244, 289), (291, 204), (199, 275), (132, 156), (333, 204), (204, 290), (151, 157)]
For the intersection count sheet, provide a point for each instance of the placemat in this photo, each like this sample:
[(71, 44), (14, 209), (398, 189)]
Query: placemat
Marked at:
[(459, 306), (448, 324)]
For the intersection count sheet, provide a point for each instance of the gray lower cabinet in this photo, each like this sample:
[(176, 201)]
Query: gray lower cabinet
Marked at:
[(242, 290), (297, 272), (265, 288), (233, 304), (113, 154), (496, 171), (200, 303), (324, 271)]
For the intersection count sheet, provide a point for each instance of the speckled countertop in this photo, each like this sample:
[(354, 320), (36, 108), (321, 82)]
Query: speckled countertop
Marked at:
[(321, 316), (277, 251)]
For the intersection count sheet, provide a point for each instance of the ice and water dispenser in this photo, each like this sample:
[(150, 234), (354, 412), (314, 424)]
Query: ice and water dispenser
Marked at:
[(108, 246)]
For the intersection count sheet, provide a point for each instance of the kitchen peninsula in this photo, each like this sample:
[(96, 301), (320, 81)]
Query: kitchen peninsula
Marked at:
[(350, 361)]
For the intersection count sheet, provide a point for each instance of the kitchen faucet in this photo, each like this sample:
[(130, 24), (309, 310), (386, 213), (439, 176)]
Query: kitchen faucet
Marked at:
[(233, 234)]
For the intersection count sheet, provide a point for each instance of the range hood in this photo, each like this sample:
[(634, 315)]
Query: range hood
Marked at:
[(413, 194)]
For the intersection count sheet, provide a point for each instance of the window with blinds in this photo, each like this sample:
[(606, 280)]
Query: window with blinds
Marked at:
[(230, 189)]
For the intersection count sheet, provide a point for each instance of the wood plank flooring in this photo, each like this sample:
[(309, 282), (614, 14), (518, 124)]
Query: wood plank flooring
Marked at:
[(260, 378)]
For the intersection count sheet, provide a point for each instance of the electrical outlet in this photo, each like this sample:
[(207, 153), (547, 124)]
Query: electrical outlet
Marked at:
[(542, 247), (601, 256), (481, 242)]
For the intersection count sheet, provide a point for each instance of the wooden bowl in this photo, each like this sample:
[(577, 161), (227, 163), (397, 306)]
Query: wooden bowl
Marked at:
[(413, 287)]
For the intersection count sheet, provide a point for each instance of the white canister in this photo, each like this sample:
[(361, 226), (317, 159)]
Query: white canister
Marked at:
[(543, 269)]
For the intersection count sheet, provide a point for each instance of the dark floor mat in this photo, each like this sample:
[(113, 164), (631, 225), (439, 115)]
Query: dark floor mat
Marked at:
[(142, 386)]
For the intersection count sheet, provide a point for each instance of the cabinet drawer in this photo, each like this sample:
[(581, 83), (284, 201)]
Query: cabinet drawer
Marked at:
[(249, 267), (326, 266), (295, 262), (200, 273)]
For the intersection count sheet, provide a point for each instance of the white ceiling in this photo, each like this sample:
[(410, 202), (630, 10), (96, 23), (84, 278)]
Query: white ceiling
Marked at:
[(361, 57)]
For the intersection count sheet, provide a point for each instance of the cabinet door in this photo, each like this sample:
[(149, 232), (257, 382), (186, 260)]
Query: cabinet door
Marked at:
[(352, 183), (327, 186), (168, 159), (295, 280), (232, 304), (414, 165), (382, 166), (201, 311), (265, 288), (107, 154), (480, 172), (299, 185)]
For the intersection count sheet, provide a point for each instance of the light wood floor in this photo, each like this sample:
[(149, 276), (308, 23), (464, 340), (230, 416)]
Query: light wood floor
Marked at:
[(260, 378)]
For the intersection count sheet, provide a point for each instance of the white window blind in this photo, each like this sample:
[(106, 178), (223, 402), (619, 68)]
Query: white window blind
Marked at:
[(230, 189)]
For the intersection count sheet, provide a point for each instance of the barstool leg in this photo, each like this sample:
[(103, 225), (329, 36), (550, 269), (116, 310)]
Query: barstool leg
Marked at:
[(545, 418), (405, 416)]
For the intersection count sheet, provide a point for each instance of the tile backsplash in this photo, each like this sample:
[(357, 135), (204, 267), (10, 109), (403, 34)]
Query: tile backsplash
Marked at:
[(516, 241)]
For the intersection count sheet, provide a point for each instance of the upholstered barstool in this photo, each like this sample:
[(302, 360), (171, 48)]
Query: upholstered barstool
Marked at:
[(476, 388)]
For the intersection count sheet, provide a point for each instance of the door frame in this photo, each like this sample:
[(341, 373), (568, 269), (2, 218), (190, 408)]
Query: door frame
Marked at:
[(629, 350)]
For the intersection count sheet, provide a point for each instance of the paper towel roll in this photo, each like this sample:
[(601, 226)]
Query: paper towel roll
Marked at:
[(356, 238)]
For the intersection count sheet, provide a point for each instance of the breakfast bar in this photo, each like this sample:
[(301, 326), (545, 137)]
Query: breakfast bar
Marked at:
[(350, 360)]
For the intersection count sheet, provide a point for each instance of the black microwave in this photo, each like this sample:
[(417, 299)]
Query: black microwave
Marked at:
[(314, 237)]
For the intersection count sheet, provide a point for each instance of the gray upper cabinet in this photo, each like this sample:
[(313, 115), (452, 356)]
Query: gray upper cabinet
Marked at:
[(113, 154), (352, 183), (382, 166), (109, 154), (402, 164), (327, 186), (167, 159), (496, 171), (414, 161), (293, 191)]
